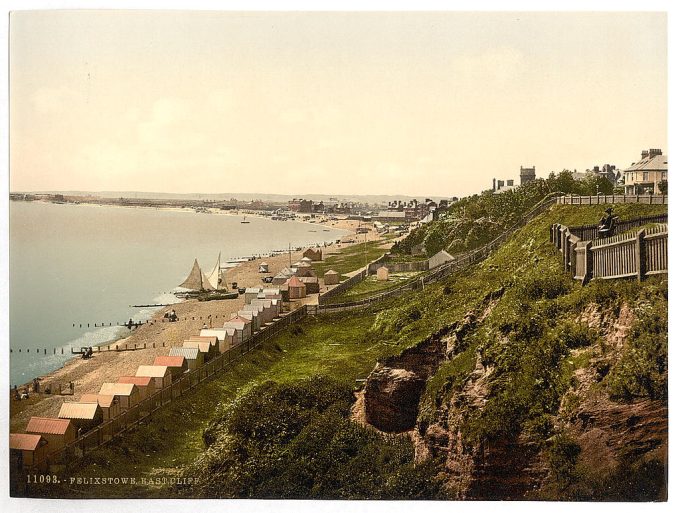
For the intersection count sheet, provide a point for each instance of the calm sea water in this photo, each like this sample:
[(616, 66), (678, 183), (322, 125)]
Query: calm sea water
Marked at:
[(85, 264)]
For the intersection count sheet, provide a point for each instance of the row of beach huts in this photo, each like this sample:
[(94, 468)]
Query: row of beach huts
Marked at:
[(45, 436)]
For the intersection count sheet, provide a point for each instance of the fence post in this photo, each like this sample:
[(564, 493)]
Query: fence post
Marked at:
[(587, 262), (640, 255)]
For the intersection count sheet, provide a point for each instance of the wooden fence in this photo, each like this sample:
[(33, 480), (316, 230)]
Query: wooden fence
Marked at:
[(649, 199), (634, 254), (109, 430)]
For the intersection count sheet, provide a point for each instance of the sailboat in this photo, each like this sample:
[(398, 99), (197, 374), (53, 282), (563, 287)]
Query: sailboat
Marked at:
[(196, 279), (215, 277)]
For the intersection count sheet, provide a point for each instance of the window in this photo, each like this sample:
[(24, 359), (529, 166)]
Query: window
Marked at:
[(645, 176)]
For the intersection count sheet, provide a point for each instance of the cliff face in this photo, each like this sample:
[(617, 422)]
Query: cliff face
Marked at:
[(605, 437)]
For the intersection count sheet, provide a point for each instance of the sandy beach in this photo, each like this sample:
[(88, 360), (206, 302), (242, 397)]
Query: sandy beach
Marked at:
[(88, 375)]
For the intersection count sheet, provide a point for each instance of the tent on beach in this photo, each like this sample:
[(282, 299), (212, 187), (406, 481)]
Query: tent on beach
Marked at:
[(196, 279)]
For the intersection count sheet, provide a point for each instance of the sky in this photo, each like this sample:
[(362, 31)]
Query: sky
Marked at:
[(335, 103)]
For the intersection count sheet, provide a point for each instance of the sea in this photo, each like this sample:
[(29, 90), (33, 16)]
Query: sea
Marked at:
[(76, 264)]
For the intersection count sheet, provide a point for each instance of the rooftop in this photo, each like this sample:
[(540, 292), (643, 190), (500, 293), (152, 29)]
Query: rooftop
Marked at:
[(24, 441), (140, 381), (48, 425), (122, 389), (169, 361), (153, 371), (189, 353), (71, 410)]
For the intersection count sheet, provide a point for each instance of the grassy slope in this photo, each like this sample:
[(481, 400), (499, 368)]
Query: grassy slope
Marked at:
[(334, 346), (371, 286), (348, 346), (352, 258)]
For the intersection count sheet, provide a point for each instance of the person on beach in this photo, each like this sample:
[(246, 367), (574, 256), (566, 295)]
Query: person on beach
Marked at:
[(129, 324)]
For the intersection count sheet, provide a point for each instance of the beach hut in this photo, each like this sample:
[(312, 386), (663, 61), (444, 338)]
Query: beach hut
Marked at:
[(296, 289), (301, 265), (127, 393), (438, 259), (57, 432), (109, 404), (242, 326), (203, 347), (331, 277), (315, 255), (224, 341), (306, 272), (311, 284), (253, 316), (193, 357), (27, 451), (268, 310), (282, 277), (276, 304), (84, 416), (272, 293), (383, 273), (143, 383), (306, 259), (264, 267), (177, 365), (161, 375), (251, 293), (213, 339)]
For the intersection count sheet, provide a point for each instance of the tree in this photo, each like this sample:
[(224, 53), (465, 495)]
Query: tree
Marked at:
[(663, 186)]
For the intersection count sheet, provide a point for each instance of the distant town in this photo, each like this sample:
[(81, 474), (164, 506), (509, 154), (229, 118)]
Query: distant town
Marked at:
[(648, 175)]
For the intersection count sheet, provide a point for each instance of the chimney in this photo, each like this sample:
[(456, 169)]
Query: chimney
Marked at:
[(494, 185), (653, 152), (645, 154)]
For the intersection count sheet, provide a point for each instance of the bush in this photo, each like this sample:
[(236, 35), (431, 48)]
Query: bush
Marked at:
[(295, 441), (642, 371), (562, 456)]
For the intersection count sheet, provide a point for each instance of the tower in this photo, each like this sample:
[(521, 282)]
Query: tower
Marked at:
[(527, 174)]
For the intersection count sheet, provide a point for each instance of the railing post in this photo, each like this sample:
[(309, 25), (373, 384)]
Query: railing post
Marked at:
[(640, 255), (587, 262)]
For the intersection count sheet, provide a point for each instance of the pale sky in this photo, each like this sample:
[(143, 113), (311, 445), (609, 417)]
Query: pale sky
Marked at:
[(359, 103)]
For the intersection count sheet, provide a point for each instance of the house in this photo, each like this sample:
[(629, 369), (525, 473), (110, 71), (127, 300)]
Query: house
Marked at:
[(383, 273), (192, 356), (314, 255), (84, 416), (225, 339), (177, 365), (296, 289), (243, 327), (331, 277), (203, 347), (109, 404), (311, 284), (438, 259), (647, 175), (28, 451), (57, 432), (143, 383), (127, 393), (161, 375)]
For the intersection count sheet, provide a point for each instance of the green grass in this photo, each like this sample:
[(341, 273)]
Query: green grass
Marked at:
[(371, 286), (335, 345), (351, 258)]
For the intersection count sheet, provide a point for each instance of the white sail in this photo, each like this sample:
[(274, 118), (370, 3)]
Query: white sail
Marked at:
[(214, 276)]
